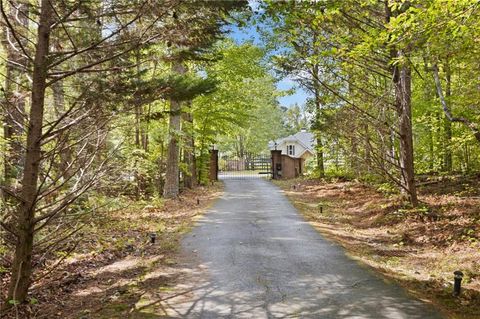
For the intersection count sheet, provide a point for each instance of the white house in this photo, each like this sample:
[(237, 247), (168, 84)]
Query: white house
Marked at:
[(298, 145)]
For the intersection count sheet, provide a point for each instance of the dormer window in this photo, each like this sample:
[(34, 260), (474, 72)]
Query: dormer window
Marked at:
[(291, 150)]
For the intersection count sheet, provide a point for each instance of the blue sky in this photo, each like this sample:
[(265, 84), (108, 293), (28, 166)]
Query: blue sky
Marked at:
[(250, 33)]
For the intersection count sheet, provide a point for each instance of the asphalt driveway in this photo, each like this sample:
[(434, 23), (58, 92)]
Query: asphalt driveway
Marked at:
[(260, 259)]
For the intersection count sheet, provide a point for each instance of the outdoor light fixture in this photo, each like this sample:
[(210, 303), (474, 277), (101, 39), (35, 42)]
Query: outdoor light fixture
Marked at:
[(457, 285), (276, 145), (153, 236)]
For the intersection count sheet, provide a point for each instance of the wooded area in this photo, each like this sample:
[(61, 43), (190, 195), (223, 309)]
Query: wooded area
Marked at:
[(394, 83), (107, 99), (114, 99)]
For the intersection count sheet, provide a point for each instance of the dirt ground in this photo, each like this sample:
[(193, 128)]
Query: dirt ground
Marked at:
[(419, 248), (115, 271)]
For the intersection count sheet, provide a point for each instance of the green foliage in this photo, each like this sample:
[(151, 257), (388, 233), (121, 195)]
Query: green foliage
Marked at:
[(387, 189), (243, 113), (203, 161), (340, 51), (295, 119), (338, 172)]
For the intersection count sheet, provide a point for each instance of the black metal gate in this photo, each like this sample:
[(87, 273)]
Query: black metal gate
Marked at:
[(244, 167)]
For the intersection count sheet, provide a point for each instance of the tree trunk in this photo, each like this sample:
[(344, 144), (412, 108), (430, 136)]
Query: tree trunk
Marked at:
[(189, 151), (354, 168), (320, 157), (140, 135), (447, 124), (318, 112), (171, 188), (337, 155), (137, 125), (368, 156), (446, 109), (428, 95), (402, 81), (139, 139), (431, 151), (241, 147), (22, 262)]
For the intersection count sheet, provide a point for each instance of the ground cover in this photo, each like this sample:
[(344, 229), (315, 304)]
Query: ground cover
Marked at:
[(116, 272)]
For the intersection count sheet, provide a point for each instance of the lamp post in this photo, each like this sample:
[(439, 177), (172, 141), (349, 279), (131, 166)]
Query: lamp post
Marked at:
[(457, 283), (213, 174), (152, 236), (276, 145)]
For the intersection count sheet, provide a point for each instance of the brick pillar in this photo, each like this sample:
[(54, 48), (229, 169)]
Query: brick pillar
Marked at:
[(213, 175), (276, 163)]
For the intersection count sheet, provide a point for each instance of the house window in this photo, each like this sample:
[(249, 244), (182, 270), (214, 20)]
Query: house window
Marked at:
[(291, 150)]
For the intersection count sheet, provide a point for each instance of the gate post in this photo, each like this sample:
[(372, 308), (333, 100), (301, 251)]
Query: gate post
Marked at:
[(276, 164), (213, 171)]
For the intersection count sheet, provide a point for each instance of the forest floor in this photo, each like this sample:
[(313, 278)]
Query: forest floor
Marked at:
[(418, 248), (116, 272)]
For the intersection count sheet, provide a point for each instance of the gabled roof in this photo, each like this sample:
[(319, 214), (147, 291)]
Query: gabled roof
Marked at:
[(307, 139), (304, 138)]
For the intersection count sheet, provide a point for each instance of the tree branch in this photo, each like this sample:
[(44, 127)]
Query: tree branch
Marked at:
[(448, 113)]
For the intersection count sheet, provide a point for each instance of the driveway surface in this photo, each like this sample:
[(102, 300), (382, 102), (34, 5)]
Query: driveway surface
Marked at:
[(259, 259)]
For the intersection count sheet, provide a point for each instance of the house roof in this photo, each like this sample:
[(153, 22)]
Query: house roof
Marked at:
[(304, 138)]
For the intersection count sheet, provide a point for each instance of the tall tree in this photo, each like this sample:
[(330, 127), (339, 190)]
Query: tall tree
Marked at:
[(22, 262), (402, 81), (173, 154), (334, 51), (190, 178), (199, 25), (43, 197)]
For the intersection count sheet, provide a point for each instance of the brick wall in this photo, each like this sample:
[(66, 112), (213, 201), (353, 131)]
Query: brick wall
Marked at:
[(286, 167)]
